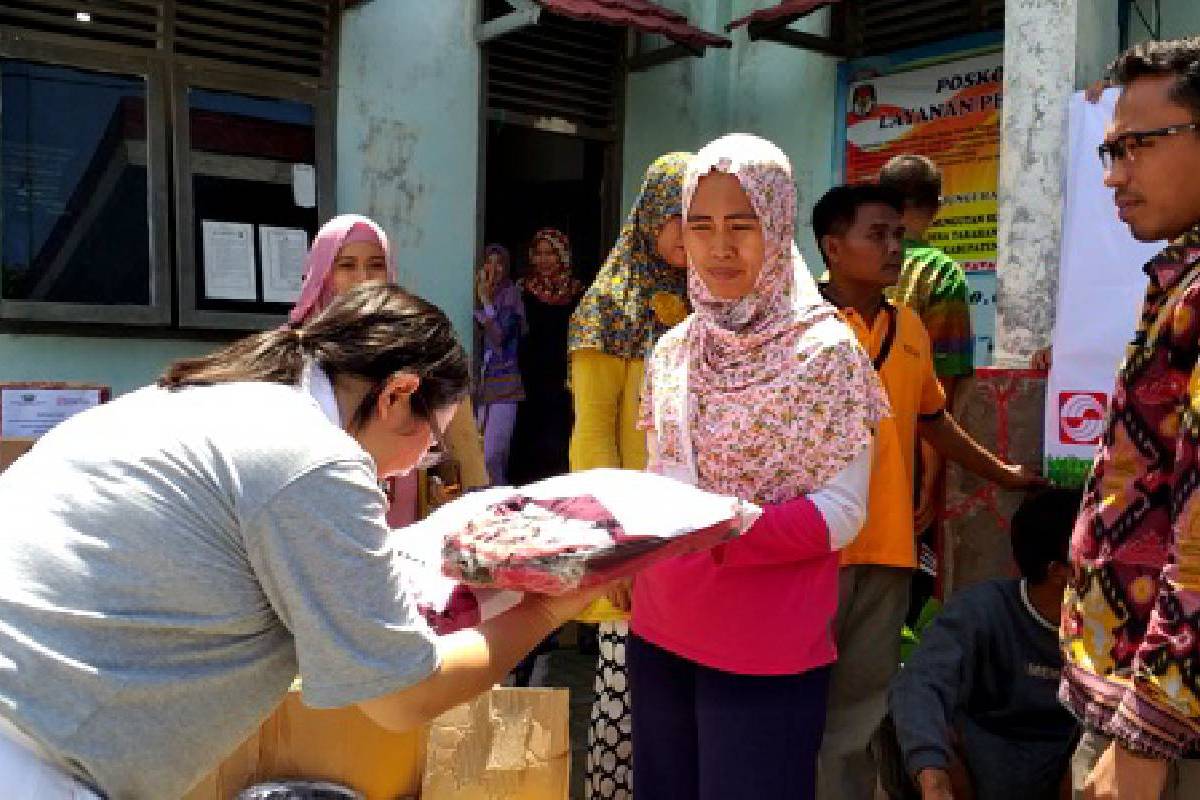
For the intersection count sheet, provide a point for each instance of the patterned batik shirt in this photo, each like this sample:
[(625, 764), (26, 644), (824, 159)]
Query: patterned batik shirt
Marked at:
[(1131, 618), (935, 286)]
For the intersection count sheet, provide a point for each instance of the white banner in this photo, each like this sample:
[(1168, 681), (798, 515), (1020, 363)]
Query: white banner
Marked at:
[(1100, 290)]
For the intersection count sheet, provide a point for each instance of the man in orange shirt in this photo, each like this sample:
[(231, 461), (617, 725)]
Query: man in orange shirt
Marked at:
[(861, 233)]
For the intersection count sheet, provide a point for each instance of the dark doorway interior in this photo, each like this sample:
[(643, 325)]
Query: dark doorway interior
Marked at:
[(537, 179)]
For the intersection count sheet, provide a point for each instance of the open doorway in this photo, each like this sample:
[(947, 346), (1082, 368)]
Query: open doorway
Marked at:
[(552, 122), (539, 180)]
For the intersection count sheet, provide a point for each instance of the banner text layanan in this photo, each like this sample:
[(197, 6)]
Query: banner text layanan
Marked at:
[(949, 112)]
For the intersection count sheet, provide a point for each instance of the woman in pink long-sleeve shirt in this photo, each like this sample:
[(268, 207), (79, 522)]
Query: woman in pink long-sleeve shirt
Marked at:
[(763, 393)]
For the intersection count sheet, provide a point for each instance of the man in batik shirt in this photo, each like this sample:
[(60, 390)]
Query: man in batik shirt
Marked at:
[(1131, 618)]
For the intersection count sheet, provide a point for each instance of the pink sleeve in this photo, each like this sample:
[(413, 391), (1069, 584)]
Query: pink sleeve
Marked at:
[(791, 531)]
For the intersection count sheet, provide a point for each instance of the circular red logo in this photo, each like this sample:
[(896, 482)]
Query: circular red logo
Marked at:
[(1081, 417)]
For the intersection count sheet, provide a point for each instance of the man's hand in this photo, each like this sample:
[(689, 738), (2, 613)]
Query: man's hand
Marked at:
[(935, 784), (1122, 775), (1021, 479), (485, 286), (955, 444), (1095, 91), (441, 493), (620, 595)]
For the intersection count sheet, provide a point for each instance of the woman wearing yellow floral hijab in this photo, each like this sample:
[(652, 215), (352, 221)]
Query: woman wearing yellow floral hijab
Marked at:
[(638, 295)]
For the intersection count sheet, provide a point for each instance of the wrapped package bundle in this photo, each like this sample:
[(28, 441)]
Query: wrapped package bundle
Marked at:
[(583, 529), (447, 604)]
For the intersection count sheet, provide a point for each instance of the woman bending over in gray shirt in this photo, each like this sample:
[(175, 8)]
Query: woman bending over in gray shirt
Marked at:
[(173, 559)]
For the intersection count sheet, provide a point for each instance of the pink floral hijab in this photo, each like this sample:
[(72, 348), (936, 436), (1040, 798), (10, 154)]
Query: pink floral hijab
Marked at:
[(316, 292), (770, 396)]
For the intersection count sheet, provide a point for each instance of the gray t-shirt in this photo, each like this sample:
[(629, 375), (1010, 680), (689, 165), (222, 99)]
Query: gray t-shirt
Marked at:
[(170, 561)]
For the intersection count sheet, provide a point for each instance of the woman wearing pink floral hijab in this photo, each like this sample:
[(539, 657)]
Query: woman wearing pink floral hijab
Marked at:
[(763, 393)]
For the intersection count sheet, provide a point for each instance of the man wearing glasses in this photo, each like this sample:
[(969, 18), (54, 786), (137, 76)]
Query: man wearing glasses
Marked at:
[(1131, 619)]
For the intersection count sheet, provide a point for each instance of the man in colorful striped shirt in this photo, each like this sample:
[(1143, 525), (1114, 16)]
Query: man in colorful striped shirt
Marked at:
[(1131, 619), (931, 283), (935, 286)]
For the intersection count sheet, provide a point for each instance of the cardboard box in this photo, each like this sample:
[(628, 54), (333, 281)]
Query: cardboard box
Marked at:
[(505, 744), (12, 449), (340, 745)]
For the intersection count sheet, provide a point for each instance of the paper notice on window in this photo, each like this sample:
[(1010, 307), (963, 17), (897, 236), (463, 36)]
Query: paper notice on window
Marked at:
[(229, 265), (283, 251), (30, 412), (304, 185)]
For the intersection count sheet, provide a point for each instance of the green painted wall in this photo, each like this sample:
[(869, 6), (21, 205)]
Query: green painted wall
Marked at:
[(123, 364), (1179, 18), (778, 92), (408, 139)]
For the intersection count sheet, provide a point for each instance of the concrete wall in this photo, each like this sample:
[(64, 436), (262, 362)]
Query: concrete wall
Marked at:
[(788, 95), (1002, 410), (408, 139), (676, 106), (779, 92)]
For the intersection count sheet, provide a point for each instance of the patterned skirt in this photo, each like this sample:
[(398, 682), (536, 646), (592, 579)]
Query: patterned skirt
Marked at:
[(610, 740)]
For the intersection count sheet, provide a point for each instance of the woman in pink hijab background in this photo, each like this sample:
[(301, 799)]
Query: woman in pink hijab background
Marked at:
[(348, 250)]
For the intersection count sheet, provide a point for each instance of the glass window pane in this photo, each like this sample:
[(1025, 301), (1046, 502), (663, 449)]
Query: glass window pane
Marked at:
[(254, 196), (73, 185)]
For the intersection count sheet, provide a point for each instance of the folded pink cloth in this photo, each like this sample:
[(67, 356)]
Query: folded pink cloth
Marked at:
[(558, 545)]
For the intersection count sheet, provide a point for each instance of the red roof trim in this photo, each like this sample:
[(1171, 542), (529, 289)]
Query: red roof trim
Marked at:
[(641, 15), (786, 12)]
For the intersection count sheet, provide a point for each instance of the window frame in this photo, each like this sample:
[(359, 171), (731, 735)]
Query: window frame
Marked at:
[(172, 309), (189, 76), (156, 313)]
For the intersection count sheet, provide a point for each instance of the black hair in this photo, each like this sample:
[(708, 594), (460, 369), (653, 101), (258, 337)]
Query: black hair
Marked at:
[(372, 331), (916, 178), (1041, 531), (1177, 57), (837, 208)]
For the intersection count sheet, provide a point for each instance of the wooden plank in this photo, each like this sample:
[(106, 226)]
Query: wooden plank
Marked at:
[(201, 46), (69, 23), (229, 35), (502, 58), (241, 19), (601, 92)]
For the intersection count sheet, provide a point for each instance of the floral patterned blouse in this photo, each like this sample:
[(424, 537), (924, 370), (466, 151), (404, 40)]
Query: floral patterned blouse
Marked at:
[(1131, 618)]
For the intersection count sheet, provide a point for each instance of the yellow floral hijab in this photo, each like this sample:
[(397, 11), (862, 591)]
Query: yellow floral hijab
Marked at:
[(636, 297)]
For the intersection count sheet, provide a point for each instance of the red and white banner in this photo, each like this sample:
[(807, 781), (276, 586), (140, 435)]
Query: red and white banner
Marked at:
[(1100, 289)]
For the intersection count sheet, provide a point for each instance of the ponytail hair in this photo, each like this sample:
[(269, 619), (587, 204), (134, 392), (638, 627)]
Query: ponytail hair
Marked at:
[(371, 332)]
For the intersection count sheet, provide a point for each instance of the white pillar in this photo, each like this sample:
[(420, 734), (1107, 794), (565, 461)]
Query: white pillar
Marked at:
[(1039, 76)]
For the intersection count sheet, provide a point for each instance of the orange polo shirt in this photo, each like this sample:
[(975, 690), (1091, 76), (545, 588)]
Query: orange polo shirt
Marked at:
[(909, 378)]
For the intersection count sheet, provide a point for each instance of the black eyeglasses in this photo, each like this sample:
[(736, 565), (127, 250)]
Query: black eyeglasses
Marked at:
[(1122, 146), (438, 451)]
